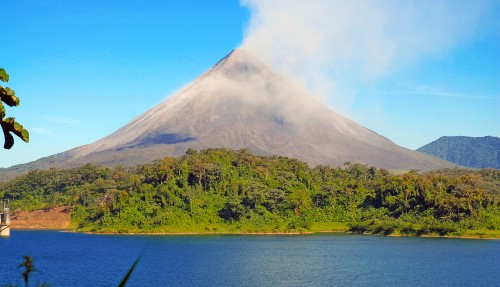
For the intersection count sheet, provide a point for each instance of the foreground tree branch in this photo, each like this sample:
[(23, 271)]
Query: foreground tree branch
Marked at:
[(9, 125)]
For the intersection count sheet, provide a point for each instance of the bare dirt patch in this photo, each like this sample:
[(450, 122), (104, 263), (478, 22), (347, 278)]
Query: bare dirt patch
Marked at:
[(56, 218)]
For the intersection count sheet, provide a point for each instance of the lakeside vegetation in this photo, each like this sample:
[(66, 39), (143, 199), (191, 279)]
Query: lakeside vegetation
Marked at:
[(220, 190)]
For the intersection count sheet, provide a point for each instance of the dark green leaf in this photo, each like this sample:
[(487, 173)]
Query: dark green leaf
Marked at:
[(25, 135), (20, 131), (8, 96), (9, 139), (10, 125), (2, 111), (4, 77)]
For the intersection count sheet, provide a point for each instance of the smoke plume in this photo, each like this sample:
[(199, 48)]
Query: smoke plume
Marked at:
[(328, 46)]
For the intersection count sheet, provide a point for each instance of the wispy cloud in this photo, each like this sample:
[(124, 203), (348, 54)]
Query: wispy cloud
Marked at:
[(329, 46), (41, 131), (63, 120), (418, 93)]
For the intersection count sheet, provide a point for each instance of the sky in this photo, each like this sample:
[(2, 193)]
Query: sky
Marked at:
[(408, 70)]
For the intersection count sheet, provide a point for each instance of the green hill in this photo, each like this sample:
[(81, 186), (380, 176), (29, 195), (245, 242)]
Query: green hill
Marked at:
[(475, 152)]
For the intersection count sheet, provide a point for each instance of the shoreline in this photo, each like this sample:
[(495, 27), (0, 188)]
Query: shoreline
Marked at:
[(59, 219), (70, 230)]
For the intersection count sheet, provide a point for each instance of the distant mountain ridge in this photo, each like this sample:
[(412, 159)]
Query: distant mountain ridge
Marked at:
[(474, 152), (242, 103)]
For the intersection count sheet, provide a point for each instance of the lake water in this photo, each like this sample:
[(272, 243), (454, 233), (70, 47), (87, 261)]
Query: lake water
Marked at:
[(72, 259)]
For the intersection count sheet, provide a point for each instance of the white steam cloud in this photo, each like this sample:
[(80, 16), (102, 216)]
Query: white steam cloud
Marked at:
[(330, 45)]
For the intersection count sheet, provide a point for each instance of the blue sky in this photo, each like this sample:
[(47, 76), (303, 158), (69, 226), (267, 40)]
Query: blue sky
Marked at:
[(83, 69)]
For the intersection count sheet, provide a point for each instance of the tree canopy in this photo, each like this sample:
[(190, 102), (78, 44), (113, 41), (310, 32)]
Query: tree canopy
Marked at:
[(220, 190), (9, 125)]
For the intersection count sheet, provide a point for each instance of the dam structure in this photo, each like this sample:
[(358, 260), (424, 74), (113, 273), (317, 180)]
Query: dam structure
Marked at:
[(5, 219)]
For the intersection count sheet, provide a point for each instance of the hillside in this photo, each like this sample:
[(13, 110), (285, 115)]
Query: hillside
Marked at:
[(474, 152)]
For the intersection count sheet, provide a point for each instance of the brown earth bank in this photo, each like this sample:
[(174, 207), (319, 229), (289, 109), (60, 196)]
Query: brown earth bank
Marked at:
[(54, 218)]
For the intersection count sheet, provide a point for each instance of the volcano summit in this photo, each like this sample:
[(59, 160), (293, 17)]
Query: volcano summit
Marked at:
[(241, 103)]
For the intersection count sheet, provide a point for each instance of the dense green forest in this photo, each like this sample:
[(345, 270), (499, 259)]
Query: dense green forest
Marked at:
[(220, 190), (474, 152)]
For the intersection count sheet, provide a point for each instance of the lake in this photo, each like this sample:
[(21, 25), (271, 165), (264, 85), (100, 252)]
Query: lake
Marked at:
[(73, 259)]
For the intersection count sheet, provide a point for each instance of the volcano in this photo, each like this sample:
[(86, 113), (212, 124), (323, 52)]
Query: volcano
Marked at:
[(242, 103)]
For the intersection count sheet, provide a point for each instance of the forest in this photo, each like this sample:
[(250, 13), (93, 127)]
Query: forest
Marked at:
[(226, 191)]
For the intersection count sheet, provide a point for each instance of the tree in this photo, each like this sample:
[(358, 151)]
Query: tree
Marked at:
[(232, 210), (9, 125)]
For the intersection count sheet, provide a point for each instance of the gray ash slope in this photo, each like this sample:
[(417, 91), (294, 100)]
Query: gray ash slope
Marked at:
[(241, 103)]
